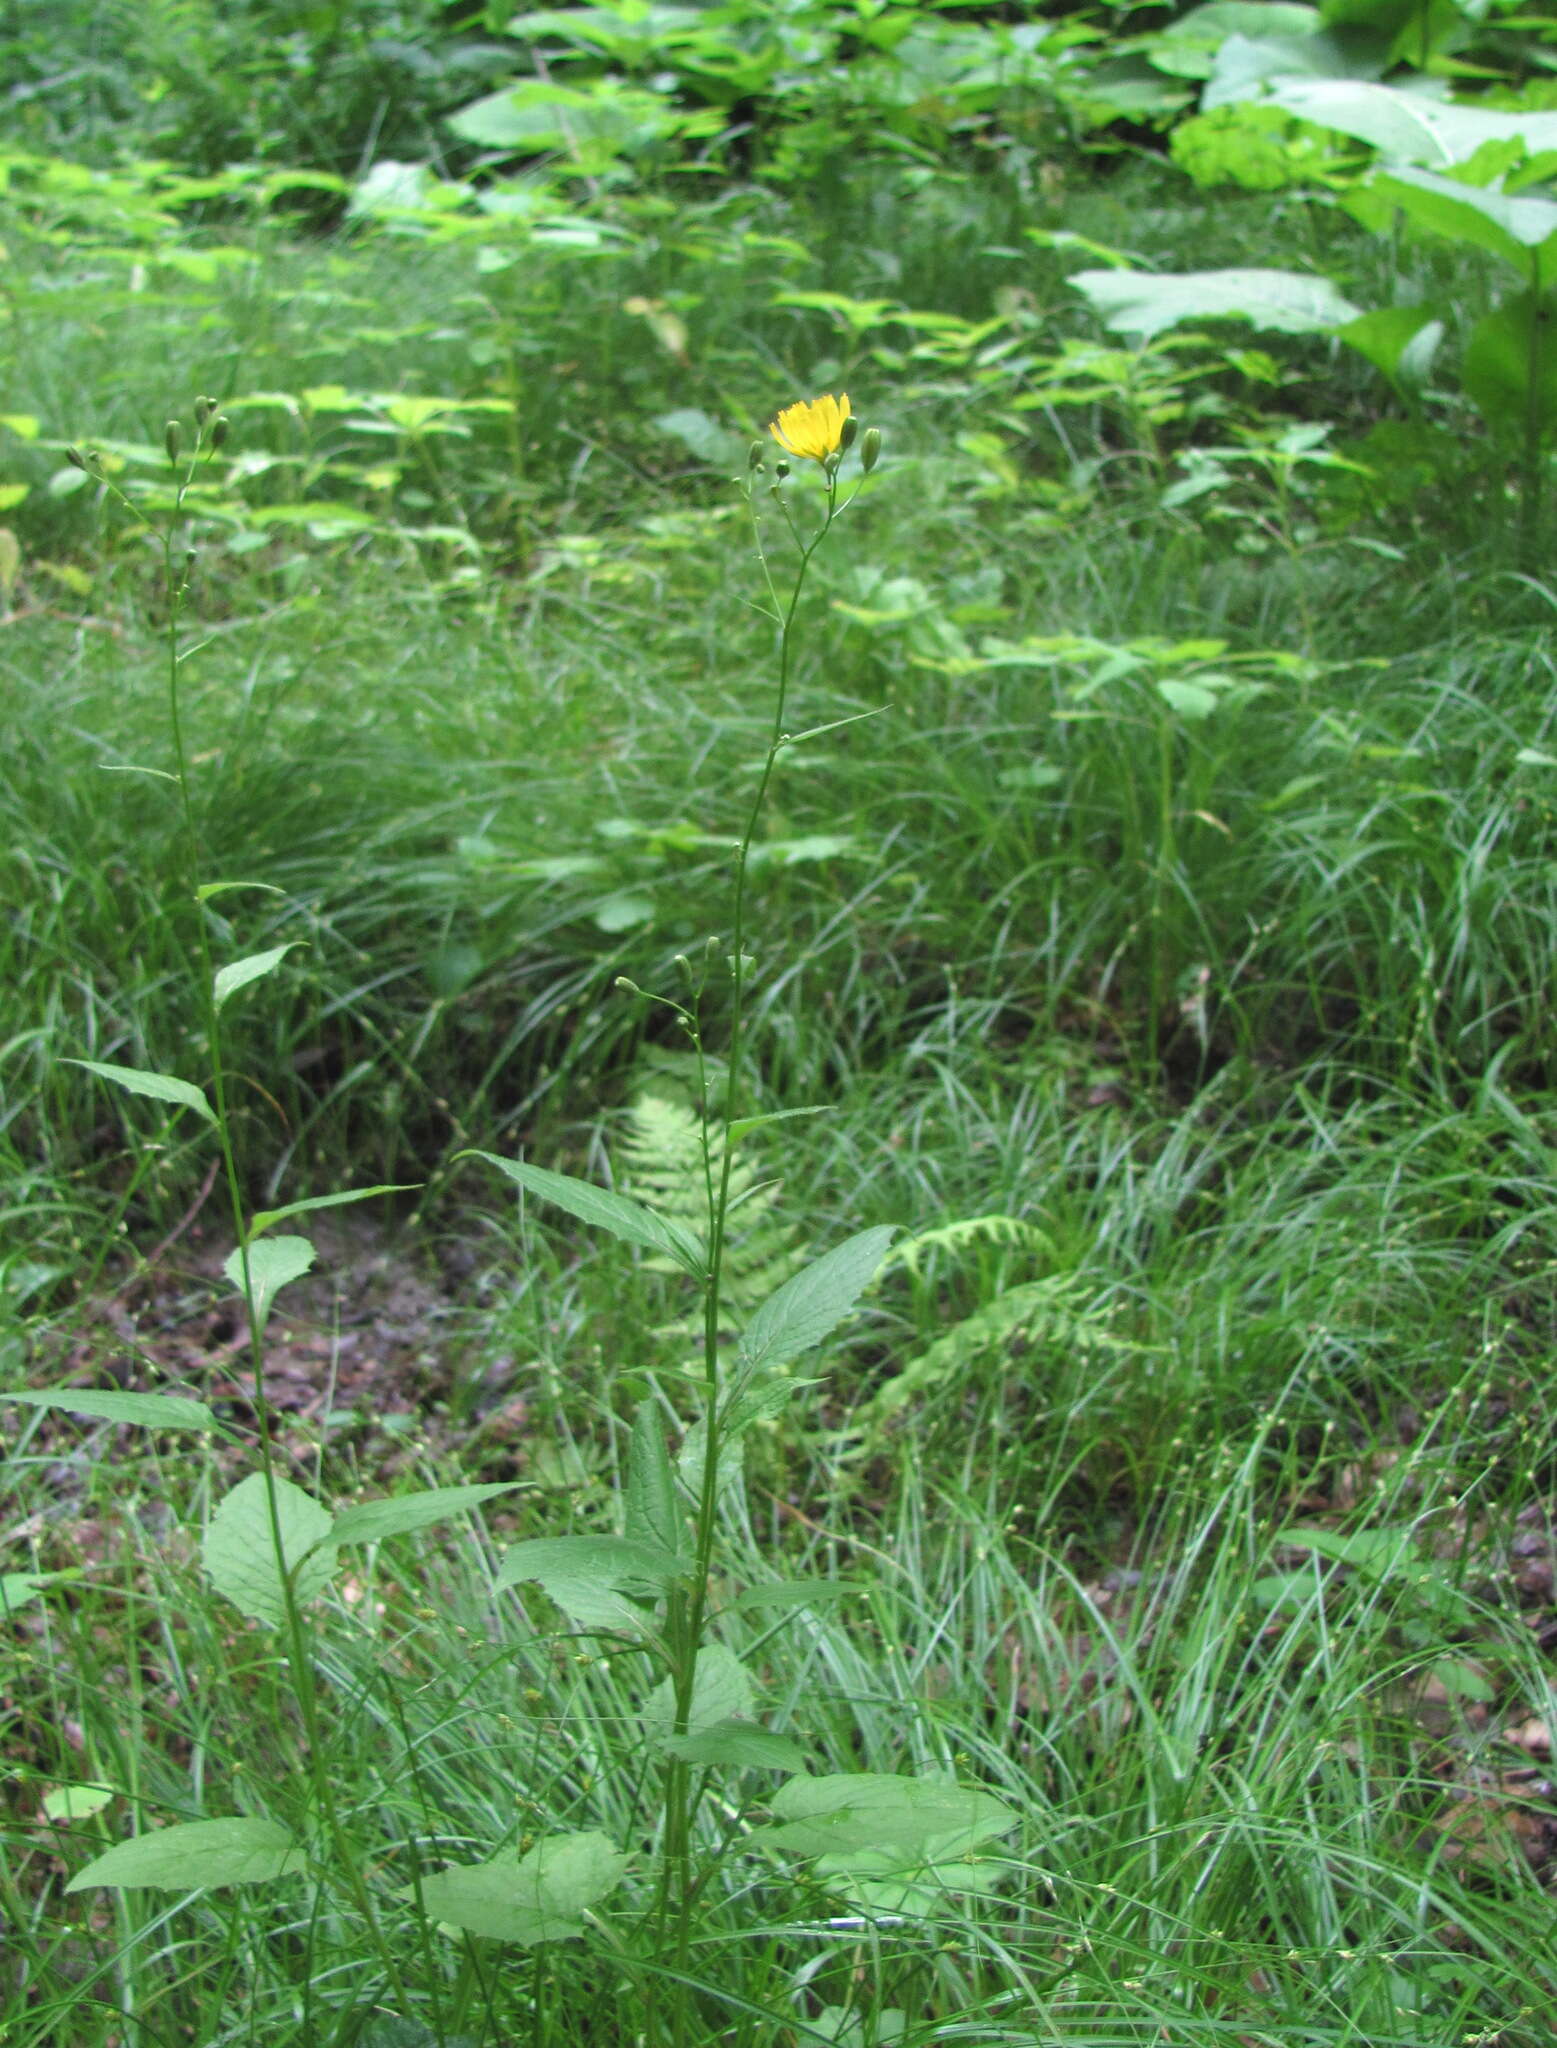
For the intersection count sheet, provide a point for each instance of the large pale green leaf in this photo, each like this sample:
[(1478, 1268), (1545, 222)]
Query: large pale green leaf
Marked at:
[(539, 1897), (157, 1411), (1410, 127), (606, 1211), (239, 1548), (272, 1262), (194, 1855), (372, 1520), (796, 1318), (160, 1087), (1520, 230), (1145, 303), (597, 1581)]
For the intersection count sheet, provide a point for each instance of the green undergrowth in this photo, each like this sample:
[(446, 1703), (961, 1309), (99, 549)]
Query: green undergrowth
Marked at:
[(1159, 944)]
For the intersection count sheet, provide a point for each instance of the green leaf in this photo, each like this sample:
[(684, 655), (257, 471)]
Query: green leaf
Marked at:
[(539, 1897), (157, 1411), (1190, 700), (813, 1301), (1144, 304), (597, 1581), (372, 1520), (239, 973), (874, 1812), (77, 1802), (745, 1124), (161, 1087), (721, 1691), (19, 1587), (653, 1507), (1410, 127), (263, 1219), (1504, 347), (239, 1548), (195, 1855), (1399, 340), (784, 1596), (1475, 216), (389, 2030), (736, 1746), (209, 889), (271, 1264), (605, 1211)]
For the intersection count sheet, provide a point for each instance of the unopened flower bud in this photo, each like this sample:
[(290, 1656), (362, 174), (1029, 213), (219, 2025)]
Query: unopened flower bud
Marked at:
[(870, 449), (781, 469), (847, 432), (75, 457), (204, 407), (754, 455), (170, 440), (221, 427), (631, 987)]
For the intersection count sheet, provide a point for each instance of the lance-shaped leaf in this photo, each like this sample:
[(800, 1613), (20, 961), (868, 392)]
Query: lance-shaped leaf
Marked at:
[(160, 1087), (623, 1217), (239, 1549), (653, 1508), (157, 1411), (372, 1520), (813, 1301), (238, 974), (539, 1897), (265, 1219), (195, 1854), (597, 1581)]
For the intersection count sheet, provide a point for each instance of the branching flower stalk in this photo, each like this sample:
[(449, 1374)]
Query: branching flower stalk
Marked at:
[(820, 431), (211, 431)]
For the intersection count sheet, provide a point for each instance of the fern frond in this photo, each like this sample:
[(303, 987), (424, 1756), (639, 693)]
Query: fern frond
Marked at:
[(661, 1162), (955, 1237)]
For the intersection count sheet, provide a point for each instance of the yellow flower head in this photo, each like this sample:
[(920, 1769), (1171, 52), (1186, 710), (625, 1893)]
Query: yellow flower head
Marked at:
[(813, 428)]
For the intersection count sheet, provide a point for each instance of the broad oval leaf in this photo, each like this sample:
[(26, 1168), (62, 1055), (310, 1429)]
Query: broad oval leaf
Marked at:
[(918, 1819), (239, 1547), (271, 1264), (538, 1897), (623, 1217), (194, 1855), (721, 1691), (1143, 303)]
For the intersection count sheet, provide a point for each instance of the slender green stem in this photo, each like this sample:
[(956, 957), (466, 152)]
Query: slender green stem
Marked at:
[(1534, 479), (687, 1610), (343, 1863)]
